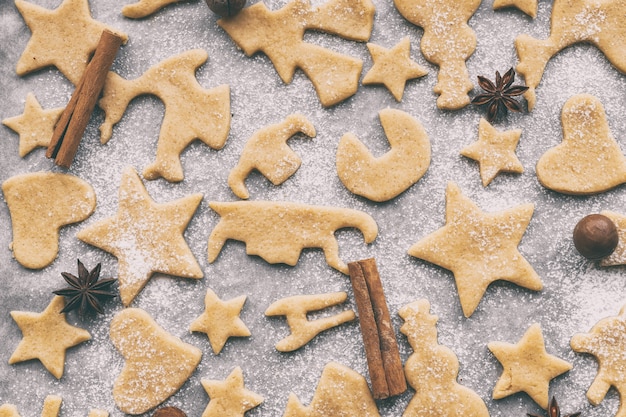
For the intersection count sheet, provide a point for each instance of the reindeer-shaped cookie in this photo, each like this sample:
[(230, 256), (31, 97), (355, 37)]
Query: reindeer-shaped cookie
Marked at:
[(601, 23), (432, 370), (607, 342)]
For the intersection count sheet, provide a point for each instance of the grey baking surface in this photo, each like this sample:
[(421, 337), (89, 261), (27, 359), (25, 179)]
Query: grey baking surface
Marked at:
[(576, 293)]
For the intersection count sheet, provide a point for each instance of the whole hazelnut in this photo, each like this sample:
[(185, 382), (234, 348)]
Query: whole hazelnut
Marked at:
[(226, 8), (169, 412), (595, 237)]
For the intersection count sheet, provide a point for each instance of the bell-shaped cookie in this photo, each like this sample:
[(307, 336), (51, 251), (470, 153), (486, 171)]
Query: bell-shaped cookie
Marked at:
[(157, 363), (40, 204), (589, 160)]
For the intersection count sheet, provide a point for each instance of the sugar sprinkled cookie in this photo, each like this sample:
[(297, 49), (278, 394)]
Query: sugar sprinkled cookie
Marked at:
[(145, 236), (527, 367), (65, 37), (589, 160), (479, 248), (156, 363), (229, 398), (385, 177), (46, 336), (40, 204)]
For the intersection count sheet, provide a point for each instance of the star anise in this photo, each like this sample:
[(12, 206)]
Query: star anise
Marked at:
[(555, 411), (85, 292), (498, 96)]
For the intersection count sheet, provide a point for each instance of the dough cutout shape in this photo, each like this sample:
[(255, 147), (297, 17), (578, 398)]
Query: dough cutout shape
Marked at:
[(600, 23), (279, 35), (131, 234), (618, 257), (40, 204), (229, 398), (607, 342), (385, 177), (267, 152), (51, 408), (340, 392), (46, 336), (34, 126), (191, 111), (447, 46), (54, 34), (479, 248), (393, 67), (296, 308), (436, 394), (278, 231), (527, 6), (527, 367), (144, 8), (220, 320), (494, 151), (156, 364), (589, 160)]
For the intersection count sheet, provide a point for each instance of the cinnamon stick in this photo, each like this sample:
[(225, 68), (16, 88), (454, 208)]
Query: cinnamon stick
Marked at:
[(70, 128), (381, 347)]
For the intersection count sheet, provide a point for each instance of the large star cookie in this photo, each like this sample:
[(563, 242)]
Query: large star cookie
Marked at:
[(146, 237), (494, 151), (479, 248), (65, 37), (600, 23), (393, 67), (229, 398), (527, 6), (46, 336), (527, 367), (34, 126), (220, 320), (280, 35), (607, 342)]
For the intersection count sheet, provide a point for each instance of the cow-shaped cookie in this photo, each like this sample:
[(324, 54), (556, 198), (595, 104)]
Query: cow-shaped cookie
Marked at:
[(607, 342), (278, 231), (601, 23)]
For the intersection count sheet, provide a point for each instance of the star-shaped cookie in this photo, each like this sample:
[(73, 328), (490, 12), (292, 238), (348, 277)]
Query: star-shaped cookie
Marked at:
[(229, 398), (527, 367), (479, 248), (145, 236), (46, 336), (393, 67), (34, 126), (220, 320), (64, 38), (527, 6), (494, 151)]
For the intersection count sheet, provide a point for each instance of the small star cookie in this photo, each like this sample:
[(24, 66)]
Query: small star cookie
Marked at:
[(46, 336), (479, 248), (220, 320), (229, 398), (607, 342), (494, 151), (527, 367), (145, 236), (393, 67), (54, 37), (527, 6), (34, 126)]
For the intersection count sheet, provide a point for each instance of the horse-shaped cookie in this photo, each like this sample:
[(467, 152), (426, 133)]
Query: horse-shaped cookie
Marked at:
[(278, 231), (601, 23)]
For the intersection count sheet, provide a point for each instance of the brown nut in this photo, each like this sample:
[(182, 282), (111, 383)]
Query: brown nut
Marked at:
[(226, 8), (169, 412), (595, 237)]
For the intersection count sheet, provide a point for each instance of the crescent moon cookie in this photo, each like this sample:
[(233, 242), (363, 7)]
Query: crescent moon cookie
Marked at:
[(479, 248)]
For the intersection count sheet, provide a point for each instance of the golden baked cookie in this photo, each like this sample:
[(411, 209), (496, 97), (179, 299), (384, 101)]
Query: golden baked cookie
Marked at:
[(229, 398)]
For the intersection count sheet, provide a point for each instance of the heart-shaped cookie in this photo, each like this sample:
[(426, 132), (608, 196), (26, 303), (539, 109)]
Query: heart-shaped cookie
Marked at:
[(157, 363), (589, 160)]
